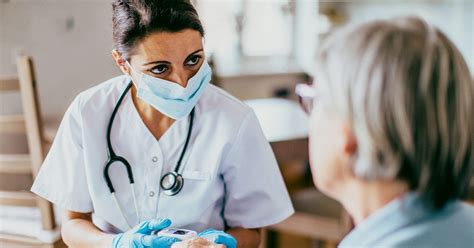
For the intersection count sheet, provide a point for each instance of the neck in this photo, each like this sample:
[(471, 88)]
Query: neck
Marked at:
[(156, 122), (366, 197)]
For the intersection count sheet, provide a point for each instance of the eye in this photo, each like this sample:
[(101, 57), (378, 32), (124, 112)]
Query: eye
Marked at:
[(159, 69), (194, 60)]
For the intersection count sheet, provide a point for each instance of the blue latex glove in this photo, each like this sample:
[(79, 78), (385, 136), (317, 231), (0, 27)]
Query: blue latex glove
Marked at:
[(219, 237), (140, 236)]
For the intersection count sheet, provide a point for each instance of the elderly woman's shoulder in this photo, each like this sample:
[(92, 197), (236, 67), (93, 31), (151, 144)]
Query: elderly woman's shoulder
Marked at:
[(453, 226)]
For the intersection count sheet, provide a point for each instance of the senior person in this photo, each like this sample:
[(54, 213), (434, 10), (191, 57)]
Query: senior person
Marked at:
[(392, 133)]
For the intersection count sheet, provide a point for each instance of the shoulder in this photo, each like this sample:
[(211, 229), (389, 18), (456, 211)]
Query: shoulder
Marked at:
[(450, 227), (220, 106), (105, 91), (102, 96)]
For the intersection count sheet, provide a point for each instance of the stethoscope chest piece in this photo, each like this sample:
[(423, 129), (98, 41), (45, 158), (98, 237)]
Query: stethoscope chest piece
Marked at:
[(172, 183)]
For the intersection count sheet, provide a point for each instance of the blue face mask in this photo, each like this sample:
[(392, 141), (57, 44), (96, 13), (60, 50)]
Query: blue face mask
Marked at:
[(170, 98)]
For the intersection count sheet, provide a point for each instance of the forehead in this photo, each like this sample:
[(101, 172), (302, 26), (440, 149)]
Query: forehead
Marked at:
[(169, 45)]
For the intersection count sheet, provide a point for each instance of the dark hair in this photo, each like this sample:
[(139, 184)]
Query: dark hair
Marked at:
[(133, 20)]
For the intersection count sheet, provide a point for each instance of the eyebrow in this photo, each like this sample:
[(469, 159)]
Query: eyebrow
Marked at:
[(167, 62)]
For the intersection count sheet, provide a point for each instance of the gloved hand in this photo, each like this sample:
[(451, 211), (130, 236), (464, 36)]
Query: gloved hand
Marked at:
[(219, 237), (140, 236)]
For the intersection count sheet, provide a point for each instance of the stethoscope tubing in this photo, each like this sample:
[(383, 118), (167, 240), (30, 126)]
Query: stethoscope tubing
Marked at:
[(114, 158)]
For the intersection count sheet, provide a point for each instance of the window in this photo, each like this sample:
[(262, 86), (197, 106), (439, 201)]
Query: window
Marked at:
[(249, 28), (267, 28)]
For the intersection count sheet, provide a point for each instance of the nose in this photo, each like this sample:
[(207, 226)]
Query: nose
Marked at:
[(179, 76)]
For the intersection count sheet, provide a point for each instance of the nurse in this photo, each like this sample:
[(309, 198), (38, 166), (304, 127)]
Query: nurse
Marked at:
[(392, 134), (161, 146)]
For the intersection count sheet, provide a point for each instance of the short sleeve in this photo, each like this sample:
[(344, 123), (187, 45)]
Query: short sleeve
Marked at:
[(256, 195), (62, 179)]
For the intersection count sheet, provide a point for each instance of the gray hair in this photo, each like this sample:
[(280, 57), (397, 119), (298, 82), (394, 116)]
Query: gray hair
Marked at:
[(408, 95)]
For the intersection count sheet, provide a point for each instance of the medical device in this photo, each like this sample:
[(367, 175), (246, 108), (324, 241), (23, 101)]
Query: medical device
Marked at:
[(180, 234), (171, 183)]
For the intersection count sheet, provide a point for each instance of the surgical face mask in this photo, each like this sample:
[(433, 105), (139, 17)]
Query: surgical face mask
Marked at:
[(170, 98)]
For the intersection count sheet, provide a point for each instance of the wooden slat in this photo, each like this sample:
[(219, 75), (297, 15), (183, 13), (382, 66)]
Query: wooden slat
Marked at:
[(18, 198), (17, 241), (15, 163), (12, 124), (9, 84), (31, 111), (311, 226), (21, 241), (33, 121)]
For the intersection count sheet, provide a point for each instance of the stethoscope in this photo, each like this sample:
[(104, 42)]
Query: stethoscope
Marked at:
[(171, 183)]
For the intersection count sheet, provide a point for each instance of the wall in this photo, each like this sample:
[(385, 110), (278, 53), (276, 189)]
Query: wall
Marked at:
[(69, 40), (454, 17)]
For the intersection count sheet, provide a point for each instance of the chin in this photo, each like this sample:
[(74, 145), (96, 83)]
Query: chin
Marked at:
[(321, 184), (326, 186)]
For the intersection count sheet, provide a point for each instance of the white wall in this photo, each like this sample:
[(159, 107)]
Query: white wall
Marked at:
[(454, 17), (70, 42)]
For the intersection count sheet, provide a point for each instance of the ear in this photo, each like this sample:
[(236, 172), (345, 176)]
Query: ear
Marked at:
[(120, 62), (349, 144)]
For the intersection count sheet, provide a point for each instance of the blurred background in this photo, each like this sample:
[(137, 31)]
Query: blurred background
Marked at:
[(259, 49)]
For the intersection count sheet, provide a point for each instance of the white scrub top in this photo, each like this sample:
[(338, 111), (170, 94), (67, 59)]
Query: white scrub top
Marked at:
[(406, 222), (231, 178)]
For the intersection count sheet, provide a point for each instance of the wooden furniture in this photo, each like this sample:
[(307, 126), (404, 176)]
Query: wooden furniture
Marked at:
[(258, 77), (30, 124)]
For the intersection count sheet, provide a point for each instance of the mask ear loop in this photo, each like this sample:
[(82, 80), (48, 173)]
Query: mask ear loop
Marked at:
[(133, 70)]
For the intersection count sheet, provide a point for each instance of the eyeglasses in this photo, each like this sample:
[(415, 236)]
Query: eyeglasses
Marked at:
[(306, 95)]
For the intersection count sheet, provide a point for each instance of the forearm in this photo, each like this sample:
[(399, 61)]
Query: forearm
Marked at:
[(248, 238), (78, 233)]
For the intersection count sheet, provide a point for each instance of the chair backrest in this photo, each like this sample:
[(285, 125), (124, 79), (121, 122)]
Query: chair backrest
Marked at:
[(31, 111), (29, 123), (11, 123)]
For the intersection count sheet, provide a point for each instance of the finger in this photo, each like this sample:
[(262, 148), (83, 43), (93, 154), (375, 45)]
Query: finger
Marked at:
[(205, 232), (159, 224), (155, 241), (226, 240), (142, 228), (140, 240), (164, 241), (200, 241), (147, 227), (197, 243), (147, 240)]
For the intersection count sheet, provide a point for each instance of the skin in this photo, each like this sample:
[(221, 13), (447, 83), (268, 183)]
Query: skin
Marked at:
[(198, 242), (333, 147), (175, 57)]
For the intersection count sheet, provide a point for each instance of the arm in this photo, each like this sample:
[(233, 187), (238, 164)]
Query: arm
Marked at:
[(79, 231), (245, 237), (249, 196)]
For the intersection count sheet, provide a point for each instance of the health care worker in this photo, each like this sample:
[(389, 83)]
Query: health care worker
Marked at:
[(161, 144)]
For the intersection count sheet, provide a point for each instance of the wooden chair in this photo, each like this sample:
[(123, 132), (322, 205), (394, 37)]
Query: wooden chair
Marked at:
[(29, 123)]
